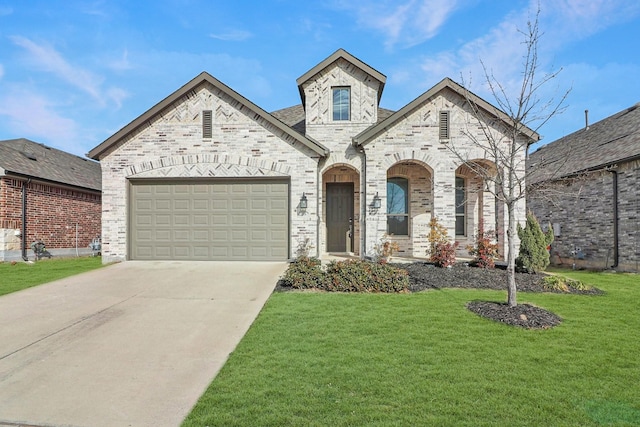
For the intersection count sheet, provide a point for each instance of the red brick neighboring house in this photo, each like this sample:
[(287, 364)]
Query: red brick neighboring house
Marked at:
[(49, 195)]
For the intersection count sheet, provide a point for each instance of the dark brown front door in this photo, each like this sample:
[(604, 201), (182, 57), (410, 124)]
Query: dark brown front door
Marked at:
[(339, 217)]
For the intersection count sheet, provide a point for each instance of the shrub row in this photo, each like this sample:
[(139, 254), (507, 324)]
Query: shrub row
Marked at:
[(345, 276)]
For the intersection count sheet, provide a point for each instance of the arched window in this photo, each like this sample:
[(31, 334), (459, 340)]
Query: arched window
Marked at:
[(398, 206)]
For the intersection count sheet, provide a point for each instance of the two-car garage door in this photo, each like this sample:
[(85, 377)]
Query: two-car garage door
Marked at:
[(209, 220)]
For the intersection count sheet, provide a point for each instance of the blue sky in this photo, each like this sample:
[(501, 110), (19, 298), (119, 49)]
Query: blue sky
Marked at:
[(74, 72)]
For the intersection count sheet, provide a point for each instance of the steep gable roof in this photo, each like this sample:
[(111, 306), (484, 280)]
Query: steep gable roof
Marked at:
[(340, 54), (607, 142), (25, 158), (446, 83), (203, 77)]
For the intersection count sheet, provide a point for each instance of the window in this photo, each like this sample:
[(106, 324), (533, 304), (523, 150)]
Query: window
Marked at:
[(398, 206), (341, 103), (207, 124), (460, 207), (444, 124)]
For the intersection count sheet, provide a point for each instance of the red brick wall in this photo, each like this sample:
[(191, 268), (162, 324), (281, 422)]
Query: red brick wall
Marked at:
[(52, 213)]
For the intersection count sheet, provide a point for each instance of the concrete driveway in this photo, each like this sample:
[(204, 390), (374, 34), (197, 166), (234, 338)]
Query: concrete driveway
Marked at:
[(131, 344)]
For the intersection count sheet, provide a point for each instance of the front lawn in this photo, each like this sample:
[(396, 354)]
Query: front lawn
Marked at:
[(18, 276), (317, 359)]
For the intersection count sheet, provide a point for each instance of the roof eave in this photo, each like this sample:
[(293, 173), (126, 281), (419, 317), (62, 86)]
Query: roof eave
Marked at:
[(98, 151), (366, 135), (340, 53)]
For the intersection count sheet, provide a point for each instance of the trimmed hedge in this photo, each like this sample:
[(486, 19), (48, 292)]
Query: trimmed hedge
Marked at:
[(345, 276)]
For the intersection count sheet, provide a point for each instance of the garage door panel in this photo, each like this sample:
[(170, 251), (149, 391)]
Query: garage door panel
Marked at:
[(216, 220)]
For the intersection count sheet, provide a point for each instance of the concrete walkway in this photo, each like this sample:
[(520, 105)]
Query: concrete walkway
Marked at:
[(132, 344)]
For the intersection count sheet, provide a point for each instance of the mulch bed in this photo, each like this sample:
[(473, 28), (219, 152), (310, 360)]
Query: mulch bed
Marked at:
[(424, 276)]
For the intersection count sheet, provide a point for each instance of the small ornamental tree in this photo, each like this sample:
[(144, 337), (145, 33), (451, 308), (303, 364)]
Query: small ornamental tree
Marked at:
[(485, 249), (442, 251), (534, 256)]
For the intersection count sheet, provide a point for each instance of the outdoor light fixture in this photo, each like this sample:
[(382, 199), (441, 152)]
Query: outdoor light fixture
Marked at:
[(303, 201), (376, 201)]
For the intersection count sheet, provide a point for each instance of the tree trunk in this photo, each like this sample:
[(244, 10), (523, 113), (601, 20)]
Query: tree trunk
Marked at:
[(511, 255)]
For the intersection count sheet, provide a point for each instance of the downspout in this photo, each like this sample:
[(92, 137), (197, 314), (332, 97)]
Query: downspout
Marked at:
[(363, 203), (24, 219), (614, 204)]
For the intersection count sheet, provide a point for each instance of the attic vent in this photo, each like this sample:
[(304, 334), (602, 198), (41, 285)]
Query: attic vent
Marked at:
[(443, 124), (29, 156), (207, 124)]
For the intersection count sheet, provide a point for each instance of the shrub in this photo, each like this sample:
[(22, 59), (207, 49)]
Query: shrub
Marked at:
[(304, 273), (442, 252), (363, 276), (345, 276), (533, 255), (563, 284), (484, 250), (385, 249)]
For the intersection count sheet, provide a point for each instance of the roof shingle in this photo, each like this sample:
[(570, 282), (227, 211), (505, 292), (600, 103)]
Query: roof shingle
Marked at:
[(27, 158)]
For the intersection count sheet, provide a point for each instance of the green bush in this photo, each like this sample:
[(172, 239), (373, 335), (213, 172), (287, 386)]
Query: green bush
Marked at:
[(533, 256), (345, 276), (304, 273), (563, 284), (363, 276)]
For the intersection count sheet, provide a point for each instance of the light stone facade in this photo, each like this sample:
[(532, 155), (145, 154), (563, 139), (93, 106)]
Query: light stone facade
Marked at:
[(168, 142)]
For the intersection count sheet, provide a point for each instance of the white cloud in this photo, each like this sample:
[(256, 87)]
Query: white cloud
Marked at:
[(122, 63), (50, 60), (407, 24), (32, 115), (232, 35), (117, 95)]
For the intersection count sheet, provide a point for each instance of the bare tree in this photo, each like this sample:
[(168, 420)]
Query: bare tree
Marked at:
[(505, 132)]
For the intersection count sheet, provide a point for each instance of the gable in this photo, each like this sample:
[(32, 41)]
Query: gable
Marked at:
[(185, 107), (439, 89), (349, 62)]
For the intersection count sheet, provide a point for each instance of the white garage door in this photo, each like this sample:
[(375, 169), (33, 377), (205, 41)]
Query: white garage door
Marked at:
[(217, 220)]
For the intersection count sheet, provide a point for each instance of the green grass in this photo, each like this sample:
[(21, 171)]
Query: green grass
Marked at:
[(24, 275), (318, 359)]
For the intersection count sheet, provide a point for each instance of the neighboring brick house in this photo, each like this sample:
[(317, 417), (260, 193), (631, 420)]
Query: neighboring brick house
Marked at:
[(586, 185), (207, 174), (56, 192)]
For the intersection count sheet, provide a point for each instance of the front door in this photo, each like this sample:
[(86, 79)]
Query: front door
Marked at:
[(340, 217)]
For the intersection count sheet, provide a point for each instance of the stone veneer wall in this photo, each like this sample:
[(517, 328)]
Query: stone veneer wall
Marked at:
[(583, 210), (415, 139), (242, 145), (62, 218)]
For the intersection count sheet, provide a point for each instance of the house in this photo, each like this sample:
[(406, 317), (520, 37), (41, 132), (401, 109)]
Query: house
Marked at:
[(586, 186), (49, 195), (206, 174)]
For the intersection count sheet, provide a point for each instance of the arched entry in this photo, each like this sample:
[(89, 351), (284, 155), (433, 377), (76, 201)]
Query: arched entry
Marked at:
[(341, 201)]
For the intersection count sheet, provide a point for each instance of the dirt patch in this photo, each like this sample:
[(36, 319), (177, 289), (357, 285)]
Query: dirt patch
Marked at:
[(523, 315)]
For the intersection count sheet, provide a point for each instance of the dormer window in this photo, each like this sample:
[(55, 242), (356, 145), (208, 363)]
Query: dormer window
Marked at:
[(341, 103)]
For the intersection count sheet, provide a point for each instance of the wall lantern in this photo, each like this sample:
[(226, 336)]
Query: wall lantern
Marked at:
[(377, 203), (303, 201)]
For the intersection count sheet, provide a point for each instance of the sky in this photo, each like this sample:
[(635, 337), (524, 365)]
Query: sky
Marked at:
[(72, 73)]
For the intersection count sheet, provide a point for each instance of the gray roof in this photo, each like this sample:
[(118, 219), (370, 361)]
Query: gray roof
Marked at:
[(295, 116), (607, 142), (105, 147), (25, 158)]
